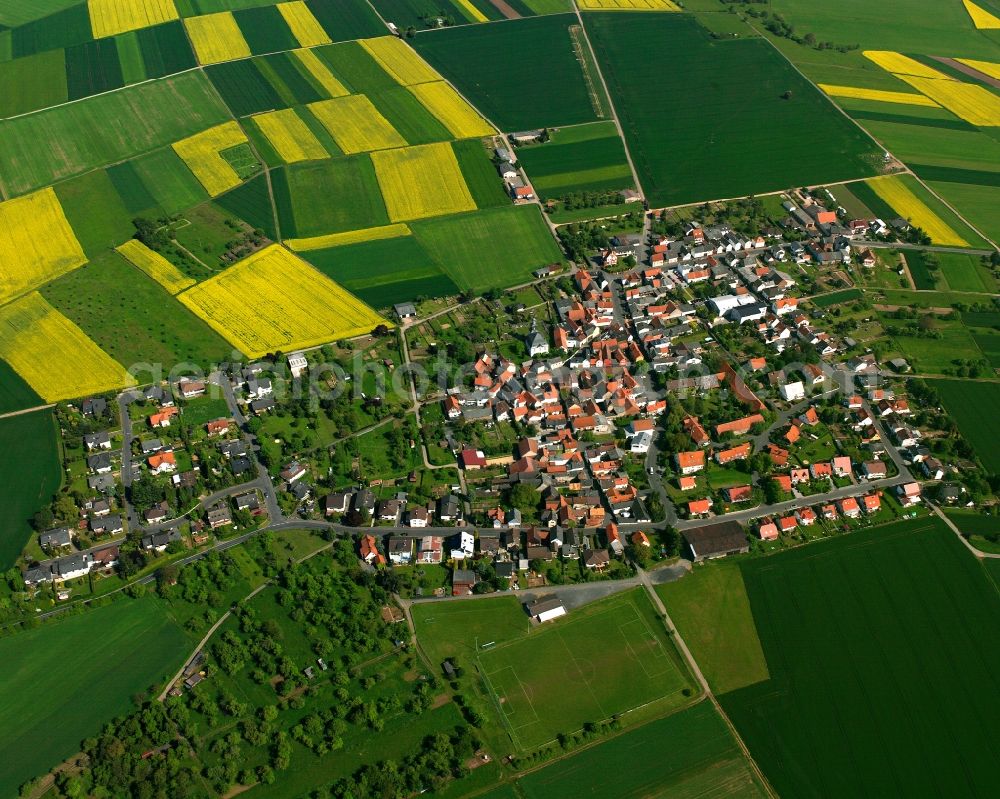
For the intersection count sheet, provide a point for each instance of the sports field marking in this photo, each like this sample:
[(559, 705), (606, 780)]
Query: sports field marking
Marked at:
[(37, 243), (399, 61), (879, 95), (583, 676), (349, 237), (648, 656), (216, 38), (356, 125), (981, 18), (304, 26), (627, 5), (899, 64), (111, 17), (509, 708)]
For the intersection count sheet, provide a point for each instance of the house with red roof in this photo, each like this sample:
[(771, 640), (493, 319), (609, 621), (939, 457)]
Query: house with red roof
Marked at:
[(687, 483), (787, 523), (842, 466), (690, 462), (742, 493), (768, 531), (738, 453), (472, 459), (872, 503), (699, 507), (806, 516), (849, 507)]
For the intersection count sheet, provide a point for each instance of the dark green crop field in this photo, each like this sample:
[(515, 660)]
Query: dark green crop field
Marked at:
[(30, 474), (520, 74), (975, 407), (713, 119), (882, 648)]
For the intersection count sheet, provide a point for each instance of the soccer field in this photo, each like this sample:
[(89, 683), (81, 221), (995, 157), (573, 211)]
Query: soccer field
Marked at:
[(599, 662)]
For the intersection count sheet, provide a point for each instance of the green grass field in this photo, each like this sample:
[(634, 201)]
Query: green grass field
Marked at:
[(570, 164), (40, 148), (602, 660), (64, 680), (704, 85), (979, 204), (711, 609), (492, 248), (836, 298), (522, 74), (451, 629), (934, 355), (132, 318), (481, 177), (328, 197), (975, 407), (96, 232), (688, 755), (31, 471), (36, 81), (865, 636)]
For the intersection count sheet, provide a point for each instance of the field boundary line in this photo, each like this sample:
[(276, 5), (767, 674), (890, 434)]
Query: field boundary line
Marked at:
[(496, 702)]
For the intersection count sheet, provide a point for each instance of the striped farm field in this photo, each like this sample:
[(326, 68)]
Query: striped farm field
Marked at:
[(154, 265), (201, 153), (293, 305), (37, 243), (38, 149), (986, 67), (473, 13), (981, 18), (304, 26), (975, 104), (895, 192), (402, 63), (348, 237), (627, 5), (52, 354), (418, 182), (290, 136), (461, 119), (111, 17), (320, 72), (899, 64), (879, 95), (216, 37), (355, 124)]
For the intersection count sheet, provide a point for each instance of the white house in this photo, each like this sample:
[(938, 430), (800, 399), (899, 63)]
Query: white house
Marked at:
[(466, 546), (297, 364), (641, 442), (791, 392), (546, 609)]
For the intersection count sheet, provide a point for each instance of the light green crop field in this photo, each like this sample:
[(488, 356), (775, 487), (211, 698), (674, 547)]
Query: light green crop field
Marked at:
[(711, 609), (975, 407), (601, 660), (64, 680), (40, 148)]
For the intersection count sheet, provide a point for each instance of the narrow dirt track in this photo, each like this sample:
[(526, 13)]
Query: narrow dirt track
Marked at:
[(972, 73)]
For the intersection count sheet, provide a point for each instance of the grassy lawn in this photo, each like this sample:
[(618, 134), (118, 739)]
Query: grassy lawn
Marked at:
[(934, 355), (198, 411), (106, 654), (711, 609), (538, 681), (451, 629), (15, 394), (866, 633)]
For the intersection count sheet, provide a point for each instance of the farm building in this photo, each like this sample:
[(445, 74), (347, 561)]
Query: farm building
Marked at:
[(716, 541)]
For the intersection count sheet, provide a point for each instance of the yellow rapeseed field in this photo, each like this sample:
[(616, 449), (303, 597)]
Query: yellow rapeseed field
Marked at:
[(37, 243), (402, 63), (461, 119), (52, 354), (290, 136), (899, 64), (627, 5), (355, 124), (201, 153), (421, 181), (320, 72), (274, 300), (111, 17), (986, 67), (981, 18), (304, 26), (155, 265), (216, 37), (975, 104), (474, 13), (879, 95), (905, 203), (349, 237)]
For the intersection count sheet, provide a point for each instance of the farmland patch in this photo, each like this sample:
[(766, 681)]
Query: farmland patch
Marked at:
[(975, 407), (421, 181)]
